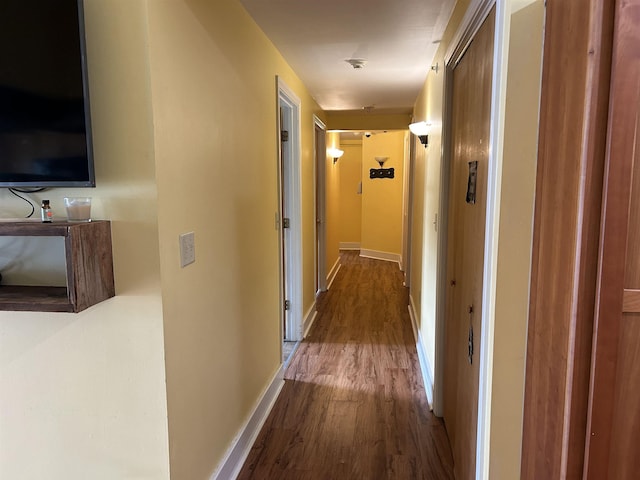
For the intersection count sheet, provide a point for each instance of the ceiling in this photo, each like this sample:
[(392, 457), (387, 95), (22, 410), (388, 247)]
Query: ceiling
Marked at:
[(396, 38)]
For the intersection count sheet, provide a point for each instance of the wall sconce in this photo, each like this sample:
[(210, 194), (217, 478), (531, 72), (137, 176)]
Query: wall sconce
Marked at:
[(381, 172), (336, 153), (421, 130), (381, 160)]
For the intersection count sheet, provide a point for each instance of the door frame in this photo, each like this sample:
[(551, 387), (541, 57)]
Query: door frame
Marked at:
[(573, 126), (289, 195), (476, 13), (407, 206), (320, 156)]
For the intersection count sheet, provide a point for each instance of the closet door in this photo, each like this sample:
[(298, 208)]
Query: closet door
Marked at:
[(613, 433), (470, 131)]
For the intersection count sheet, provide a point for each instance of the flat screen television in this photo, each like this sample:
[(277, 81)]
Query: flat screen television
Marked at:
[(45, 127)]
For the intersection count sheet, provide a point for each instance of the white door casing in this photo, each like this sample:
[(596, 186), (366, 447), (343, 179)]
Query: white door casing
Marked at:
[(290, 207)]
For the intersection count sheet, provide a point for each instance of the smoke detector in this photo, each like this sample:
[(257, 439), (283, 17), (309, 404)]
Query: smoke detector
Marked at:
[(357, 63)]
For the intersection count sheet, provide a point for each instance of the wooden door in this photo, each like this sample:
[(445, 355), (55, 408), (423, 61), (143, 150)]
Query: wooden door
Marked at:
[(471, 111), (613, 433)]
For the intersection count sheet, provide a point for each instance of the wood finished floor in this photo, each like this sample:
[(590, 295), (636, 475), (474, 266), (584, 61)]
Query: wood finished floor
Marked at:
[(353, 405)]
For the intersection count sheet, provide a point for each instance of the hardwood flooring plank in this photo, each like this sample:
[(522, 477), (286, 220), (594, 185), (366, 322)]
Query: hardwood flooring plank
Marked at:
[(353, 405)]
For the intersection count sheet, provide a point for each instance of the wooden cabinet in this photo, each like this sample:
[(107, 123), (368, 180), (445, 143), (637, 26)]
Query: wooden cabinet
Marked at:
[(89, 268)]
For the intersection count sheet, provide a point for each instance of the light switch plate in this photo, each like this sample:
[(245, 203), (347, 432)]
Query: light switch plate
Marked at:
[(187, 249)]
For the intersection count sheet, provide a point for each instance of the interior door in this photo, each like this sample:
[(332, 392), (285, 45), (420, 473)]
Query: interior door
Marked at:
[(284, 219), (320, 165), (613, 433), (470, 129)]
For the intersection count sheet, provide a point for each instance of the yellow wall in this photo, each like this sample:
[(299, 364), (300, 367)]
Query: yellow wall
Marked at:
[(426, 193), (213, 72), (514, 248), (349, 120), (350, 168), (332, 202), (173, 84), (83, 395), (382, 197)]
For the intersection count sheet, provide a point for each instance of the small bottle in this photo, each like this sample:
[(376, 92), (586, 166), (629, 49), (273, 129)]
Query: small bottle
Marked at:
[(45, 211)]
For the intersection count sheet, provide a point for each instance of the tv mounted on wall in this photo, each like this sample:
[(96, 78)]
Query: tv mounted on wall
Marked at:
[(45, 133)]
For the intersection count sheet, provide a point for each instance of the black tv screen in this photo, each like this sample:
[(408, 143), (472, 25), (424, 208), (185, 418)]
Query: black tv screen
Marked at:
[(45, 134)]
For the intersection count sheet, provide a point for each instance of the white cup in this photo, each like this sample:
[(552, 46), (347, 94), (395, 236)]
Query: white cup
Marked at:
[(78, 209)]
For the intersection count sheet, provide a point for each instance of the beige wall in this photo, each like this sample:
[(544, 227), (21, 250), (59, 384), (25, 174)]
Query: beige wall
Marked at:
[(350, 169), (83, 395), (213, 72), (382, 197)]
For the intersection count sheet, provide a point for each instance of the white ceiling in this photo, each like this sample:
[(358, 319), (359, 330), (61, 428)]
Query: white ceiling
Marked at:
[(397, 38)]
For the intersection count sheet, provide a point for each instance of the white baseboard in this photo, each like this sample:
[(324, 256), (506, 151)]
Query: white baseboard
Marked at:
[(349, 246), (332, 274), (235, 457), (309, 318), (427, 375), (386, 256)]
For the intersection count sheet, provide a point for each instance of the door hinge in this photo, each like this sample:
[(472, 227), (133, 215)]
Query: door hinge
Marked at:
[(284, 136), (286, 223), (287, 305)]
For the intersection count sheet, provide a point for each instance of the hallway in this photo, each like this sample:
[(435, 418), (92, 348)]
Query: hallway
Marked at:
[(353, 405)]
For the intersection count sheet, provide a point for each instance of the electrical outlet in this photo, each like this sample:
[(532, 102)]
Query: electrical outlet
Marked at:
[(187, 249)]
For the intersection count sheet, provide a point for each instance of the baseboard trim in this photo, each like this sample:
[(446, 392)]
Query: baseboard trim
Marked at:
[(377, 255), (427, 375), (349, 246), (239, 450), (332, 274), (309, 318)]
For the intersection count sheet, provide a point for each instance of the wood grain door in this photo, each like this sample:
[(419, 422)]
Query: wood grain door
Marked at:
[(613, 433), (470, 129)]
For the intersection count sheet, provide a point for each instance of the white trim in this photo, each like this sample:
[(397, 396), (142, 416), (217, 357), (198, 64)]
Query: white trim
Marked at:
[(492, 230), (309, 318), (476, 12), (333, 273), (294, 275), (318, 122), (386, 256), (293, 350), (349, 245), (427, 375), (234, 459), (285, 90)]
